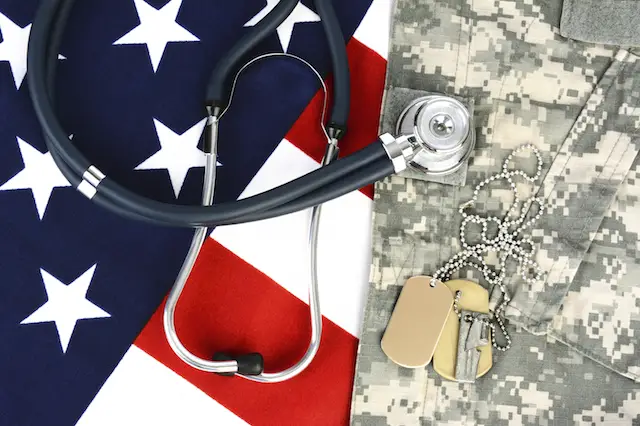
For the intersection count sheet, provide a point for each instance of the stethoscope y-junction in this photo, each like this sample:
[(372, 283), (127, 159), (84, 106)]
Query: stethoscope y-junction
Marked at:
[(434, 137)]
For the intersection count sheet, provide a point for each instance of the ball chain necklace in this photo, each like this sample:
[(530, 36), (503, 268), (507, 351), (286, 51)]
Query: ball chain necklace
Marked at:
[(508, 243), (424, 327)]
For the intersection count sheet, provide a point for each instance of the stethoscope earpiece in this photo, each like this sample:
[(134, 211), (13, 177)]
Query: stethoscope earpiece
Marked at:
[(248, 365)]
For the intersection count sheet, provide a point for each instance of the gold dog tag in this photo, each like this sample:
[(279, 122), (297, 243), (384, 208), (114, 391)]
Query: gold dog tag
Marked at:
[(417, 322), (473, 298)]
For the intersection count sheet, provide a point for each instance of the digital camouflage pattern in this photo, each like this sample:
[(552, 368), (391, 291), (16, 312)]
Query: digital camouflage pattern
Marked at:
[(575, 356)]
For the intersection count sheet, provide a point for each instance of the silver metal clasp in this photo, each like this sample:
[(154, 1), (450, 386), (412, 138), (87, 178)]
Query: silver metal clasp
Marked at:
[(472, 335), (400, 150)]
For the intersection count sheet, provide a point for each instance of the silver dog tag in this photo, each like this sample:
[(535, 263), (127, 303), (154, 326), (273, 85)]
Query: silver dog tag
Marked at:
[(473, 334)]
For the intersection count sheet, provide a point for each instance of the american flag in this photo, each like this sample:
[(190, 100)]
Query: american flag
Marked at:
[(82, 290)]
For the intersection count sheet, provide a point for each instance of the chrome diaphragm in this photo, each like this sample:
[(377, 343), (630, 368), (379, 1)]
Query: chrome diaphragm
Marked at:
[(443, 127)]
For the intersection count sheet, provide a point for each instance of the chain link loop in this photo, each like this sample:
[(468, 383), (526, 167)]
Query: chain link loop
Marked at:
[(508, 243)]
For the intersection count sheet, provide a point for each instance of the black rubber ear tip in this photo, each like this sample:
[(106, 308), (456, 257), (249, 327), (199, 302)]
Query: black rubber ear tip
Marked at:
[(248, 365)]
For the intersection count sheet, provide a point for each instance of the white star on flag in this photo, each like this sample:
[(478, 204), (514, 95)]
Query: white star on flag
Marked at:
[(178, 153), (300, 14), (13, 48), (40, 175), (157, 28), (66, 305)]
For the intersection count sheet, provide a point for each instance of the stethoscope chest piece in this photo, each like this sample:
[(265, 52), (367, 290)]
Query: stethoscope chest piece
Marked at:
[(443, 127)]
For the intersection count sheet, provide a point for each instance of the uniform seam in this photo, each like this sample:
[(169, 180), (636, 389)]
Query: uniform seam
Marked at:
[(469, 42), (455, 75), (563, 338)]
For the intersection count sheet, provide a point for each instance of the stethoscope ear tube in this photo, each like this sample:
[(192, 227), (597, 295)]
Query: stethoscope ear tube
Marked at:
[(263, 206), (218, 90), (337, 125), (37, 55)]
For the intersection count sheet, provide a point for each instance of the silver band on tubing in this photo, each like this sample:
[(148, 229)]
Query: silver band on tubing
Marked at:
[(90, 181), (400, 150)]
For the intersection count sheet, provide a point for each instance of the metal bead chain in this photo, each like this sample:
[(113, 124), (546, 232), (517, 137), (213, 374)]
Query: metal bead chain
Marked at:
[(507, 243)]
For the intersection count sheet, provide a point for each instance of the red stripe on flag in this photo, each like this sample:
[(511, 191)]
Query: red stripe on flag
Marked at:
[(368, 71), (230, 306)]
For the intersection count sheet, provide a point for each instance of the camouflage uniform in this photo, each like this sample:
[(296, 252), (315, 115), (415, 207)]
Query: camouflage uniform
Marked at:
[(575, 357)]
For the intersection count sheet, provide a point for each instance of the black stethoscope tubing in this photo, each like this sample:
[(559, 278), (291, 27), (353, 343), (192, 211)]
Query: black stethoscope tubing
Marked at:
[(338, 178)]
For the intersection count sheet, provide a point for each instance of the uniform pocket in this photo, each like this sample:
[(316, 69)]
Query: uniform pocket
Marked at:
[(600, 314), (587, 240)]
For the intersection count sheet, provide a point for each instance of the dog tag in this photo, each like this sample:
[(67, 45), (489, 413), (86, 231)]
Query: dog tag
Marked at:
[(473, 298), (417, 322)]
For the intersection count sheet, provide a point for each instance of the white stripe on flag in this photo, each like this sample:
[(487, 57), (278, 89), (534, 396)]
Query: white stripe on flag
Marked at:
[(375, 27), (279, 247), (142, 391)]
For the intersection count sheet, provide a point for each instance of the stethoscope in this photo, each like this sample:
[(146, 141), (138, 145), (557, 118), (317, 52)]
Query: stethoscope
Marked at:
[(435, 137)]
